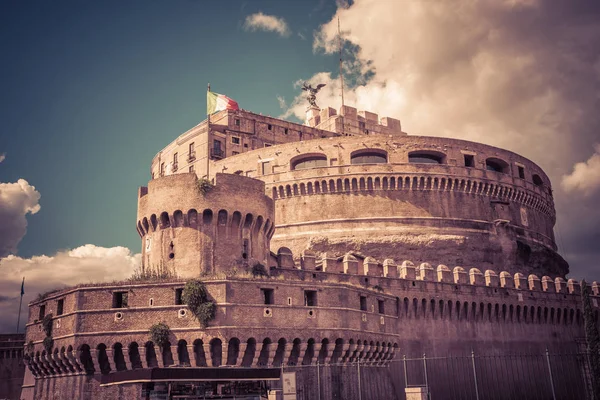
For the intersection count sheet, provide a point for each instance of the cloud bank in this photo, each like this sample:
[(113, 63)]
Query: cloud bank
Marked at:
[(17, 199), (585, 177), (519, 74), (85, 264), (268, 23)]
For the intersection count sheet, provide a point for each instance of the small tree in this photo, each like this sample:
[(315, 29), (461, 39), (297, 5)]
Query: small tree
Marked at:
[(205, 186), (259, 270), (196, 297), (592, 338), (48, 343), (47, 324), (159, 334)]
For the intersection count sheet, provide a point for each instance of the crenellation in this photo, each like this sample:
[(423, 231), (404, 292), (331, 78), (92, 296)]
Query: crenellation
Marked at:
[(371, 267), (573, 286), (460, 275), (390, 269), (561, 285), (408, 270), (595, 288), (350, 264), (491, 278), (506, 280), (534, 283), (426, 272), (476, 277), (548, 284), (520, 281), (444, 274)]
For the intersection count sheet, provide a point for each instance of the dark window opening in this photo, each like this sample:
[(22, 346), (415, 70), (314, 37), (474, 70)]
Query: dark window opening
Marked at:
[(119, 300), (60, 304), (270, 127), (381, 305), (191, 169), (469, 160), (537, 180), (369, 157), (191, 152), (246, 145), (521, 172), (235, 153), (179, 296), (42, 312), (268, 145), (363, 303), (310, 162), (497, 165), (235, 140), (285, 131), (237, 122), (310, 298), (268, 296), (420, 157)]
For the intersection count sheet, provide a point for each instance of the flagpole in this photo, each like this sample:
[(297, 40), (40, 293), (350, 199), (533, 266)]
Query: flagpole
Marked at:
[(20, 303), (207, 137)]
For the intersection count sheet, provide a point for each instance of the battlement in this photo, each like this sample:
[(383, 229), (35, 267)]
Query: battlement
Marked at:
[(349, 121)]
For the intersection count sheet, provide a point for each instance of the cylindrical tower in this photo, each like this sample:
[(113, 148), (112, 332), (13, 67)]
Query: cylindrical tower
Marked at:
[(189, 228)]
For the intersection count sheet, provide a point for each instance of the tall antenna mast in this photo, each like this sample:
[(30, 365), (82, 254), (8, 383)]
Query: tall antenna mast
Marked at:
[(341, 70)]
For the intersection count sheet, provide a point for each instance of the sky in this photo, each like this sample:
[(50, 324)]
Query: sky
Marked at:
[(91, 91)]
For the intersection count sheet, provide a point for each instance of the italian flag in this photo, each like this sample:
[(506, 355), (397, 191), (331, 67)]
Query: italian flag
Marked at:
[(218, 102)]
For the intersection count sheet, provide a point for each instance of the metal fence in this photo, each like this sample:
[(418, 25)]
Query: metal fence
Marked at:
[(472, 376)]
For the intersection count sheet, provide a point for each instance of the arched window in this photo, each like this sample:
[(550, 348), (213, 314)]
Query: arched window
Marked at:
[(370, 156), (306, 161), (537, 180), (496, 164), (426, 157)]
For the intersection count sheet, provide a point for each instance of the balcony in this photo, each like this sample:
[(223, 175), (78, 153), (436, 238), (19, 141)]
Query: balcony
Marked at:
[(192, 156), (217, 153), (174, 167)]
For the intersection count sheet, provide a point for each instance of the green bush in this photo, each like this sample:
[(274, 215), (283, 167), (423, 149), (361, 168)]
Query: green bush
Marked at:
[(205, 186), (47, 324), (196, 297), (48, 343), (159, 334), (259, 270)]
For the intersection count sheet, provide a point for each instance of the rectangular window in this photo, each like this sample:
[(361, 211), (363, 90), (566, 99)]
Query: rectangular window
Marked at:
[(521, 172), (60, 304), (179, 296), (285, 131), (191, 169), (119, 300), (469, 160), (174, 158), (42, 312), (363, 303), (381, 305), (246, 145), (192, 152), (235, 140), (270, 127), (310, 298), (235, 153), (266, 168), (162, 169), (237, 122), (268, 296), (268, 145)]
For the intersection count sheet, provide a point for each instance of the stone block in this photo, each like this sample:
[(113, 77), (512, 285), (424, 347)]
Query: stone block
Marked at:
[(491, 278), (506, 280), (330, 263), (308, 260), (426, 272), (460, 275), (416, 393), (350, 264), (475, 277), (444, 274), (548, 284), (285, 258), (520, 281), (390, 269), (561, 285), (573, 286), (371, 267), (407, 270), (534, 282)]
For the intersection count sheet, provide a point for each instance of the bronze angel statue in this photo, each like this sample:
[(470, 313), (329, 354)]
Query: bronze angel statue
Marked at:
[(312, 93)]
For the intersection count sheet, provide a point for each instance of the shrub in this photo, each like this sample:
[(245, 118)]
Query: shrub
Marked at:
[(205, 186), (47, 324), (196, 297), (48, 343), (259, 270), (159, 334), (378, 288), (30, 346)]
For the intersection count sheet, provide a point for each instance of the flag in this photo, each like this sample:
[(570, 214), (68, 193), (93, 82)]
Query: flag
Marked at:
[(23, 287), (218, 102)]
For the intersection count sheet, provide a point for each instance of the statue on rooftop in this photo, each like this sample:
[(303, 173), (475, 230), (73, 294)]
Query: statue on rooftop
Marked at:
[(312, 93)]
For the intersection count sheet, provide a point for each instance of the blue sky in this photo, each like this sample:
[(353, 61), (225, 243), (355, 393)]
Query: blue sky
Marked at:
[(92, 90)]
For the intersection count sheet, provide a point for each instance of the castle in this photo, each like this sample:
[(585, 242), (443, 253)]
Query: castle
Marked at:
[(374, 243)]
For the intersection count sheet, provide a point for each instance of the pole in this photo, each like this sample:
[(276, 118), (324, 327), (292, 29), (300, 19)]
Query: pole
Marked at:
[(358, 369), (475, 374), (20, 303), (405, 372), (425, 370), (550, 373), (207, 138), (341, 72), (318, 381)]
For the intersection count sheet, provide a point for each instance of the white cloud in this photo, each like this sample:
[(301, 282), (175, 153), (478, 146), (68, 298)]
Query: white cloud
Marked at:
[(85, 264), (17, 199), (282, 103), (585, 177), (2, 157), (269, 23)]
